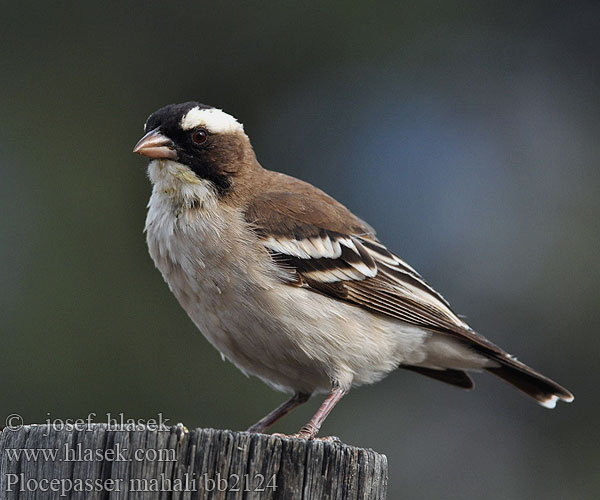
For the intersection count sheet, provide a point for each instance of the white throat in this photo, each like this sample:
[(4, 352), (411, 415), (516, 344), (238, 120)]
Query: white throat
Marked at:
[(176, 182)]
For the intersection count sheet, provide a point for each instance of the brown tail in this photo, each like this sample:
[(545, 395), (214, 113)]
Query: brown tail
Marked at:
[(453, 377), (545, 391)]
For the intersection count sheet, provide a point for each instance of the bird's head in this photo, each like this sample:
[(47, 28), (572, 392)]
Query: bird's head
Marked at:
[(192, 143)]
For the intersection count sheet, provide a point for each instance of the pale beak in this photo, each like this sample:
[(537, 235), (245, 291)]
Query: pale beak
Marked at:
[(155, 145)]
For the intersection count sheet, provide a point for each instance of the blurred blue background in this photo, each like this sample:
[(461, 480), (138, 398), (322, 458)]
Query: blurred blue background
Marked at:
[(467, 133)]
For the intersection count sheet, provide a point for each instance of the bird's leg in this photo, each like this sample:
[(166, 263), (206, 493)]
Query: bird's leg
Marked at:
[(267, 421), (310, 430)]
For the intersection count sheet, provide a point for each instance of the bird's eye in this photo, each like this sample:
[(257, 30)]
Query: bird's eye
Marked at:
[(199, 136)]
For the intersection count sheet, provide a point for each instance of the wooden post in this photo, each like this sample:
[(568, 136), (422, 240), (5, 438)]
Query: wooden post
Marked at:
[(97, 463)]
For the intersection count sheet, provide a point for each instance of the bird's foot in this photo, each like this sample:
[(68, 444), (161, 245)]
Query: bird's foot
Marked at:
[(300, 435), (329, 439), (296, 435), (309, 432)]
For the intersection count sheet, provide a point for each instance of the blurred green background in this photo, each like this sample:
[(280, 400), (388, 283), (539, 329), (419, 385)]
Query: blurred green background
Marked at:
[(467, 133)]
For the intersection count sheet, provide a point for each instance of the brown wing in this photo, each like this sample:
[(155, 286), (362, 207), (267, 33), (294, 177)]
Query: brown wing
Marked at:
[(333, 252), (329, 250)]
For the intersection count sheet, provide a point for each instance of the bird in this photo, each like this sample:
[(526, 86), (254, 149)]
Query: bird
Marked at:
[(290, 286)]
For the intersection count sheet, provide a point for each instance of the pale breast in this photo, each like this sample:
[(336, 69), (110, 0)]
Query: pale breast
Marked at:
[(291, 337), (218, 273)]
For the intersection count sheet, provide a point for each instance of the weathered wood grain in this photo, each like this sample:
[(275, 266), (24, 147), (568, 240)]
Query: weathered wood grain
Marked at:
[(99, 463)]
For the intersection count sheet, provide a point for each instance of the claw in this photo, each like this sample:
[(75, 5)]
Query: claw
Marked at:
[(329, 439), (306, 435), (311, 429)]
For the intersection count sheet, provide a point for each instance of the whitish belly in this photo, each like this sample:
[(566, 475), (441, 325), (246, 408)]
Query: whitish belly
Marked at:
[(292, 338)]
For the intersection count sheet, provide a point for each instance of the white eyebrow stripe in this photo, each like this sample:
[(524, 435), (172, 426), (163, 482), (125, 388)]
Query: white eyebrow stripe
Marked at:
[(214, 120)]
